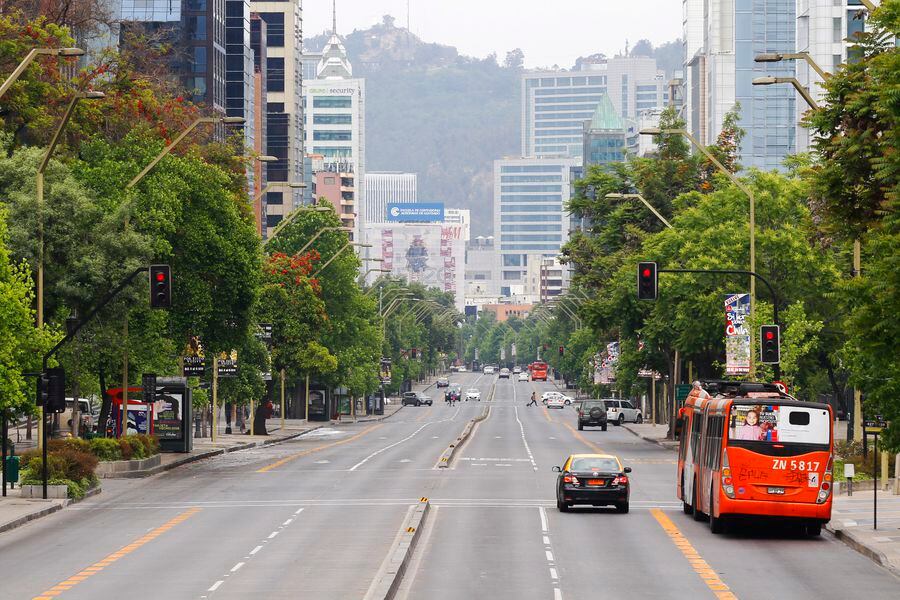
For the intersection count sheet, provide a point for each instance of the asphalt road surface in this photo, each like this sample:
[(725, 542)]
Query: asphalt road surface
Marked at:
[(314, 518)]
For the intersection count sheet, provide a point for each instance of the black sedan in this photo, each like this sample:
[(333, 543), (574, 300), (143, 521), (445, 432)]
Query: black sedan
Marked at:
[(594, 479)]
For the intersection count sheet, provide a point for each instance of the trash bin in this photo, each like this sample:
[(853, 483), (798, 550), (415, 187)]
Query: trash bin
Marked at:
[(12, 470)]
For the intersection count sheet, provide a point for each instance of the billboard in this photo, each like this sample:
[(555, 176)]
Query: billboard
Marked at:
[(420, 212), (737, 337), (432, 254)]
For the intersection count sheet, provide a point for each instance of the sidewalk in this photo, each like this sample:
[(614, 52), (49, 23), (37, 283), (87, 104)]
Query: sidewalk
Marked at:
[(652, 433), (851, 522)]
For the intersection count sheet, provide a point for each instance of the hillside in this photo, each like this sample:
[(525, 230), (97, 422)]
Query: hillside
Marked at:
[(432, 111)]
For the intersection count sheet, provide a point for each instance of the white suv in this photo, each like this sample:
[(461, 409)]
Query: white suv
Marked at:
[(622, 411), (488, 370)]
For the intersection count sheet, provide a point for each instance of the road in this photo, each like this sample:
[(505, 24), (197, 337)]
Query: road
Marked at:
[(314, 518)]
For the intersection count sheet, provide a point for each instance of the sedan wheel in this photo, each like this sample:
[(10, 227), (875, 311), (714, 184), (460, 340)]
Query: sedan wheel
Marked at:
[(562, 506), (639, 419), (621, 420), (622, 507)]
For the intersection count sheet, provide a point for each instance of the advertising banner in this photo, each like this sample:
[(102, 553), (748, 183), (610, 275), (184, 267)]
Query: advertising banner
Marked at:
[(606, 373), (737, 336), (228, 364), (385, 371), (168, 414), (420, 212), (193, 361)]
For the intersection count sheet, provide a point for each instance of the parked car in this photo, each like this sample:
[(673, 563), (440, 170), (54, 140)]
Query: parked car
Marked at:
[(523, 376), (592, 413), (415, 399), (443, 382), (473, 394), (461, 368), (622, 411), (85, 412), (595, 479), (488, 370), (504, 373)]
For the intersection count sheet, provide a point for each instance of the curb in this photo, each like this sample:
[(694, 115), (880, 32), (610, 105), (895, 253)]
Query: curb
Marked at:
[(447, 456), (16, 523), (368, 420), (394, 566), (673, 446), (852, 541)]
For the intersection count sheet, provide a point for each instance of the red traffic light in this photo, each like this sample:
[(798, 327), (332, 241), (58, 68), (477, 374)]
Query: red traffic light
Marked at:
[(770, 335), (160, 276), (646, 273)]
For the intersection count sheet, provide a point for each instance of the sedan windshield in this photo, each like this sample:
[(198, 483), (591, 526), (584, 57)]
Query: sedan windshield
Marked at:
[(594, 464)]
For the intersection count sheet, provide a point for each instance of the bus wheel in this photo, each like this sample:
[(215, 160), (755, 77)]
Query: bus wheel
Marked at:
[(716, 524), (814, 530)]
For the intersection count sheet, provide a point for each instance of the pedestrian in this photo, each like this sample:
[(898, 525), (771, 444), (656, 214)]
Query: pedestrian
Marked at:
[(533, 399)]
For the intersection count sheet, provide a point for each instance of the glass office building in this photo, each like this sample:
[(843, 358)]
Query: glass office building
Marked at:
[(530, 217)]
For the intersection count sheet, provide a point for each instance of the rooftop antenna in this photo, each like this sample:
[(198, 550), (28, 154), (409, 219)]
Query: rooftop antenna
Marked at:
[(334, 17)]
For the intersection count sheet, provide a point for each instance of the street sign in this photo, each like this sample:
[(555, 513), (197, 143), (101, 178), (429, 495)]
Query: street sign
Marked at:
[(193, 366), (148, 387), (264, 332), (681, 392), (875, 425)]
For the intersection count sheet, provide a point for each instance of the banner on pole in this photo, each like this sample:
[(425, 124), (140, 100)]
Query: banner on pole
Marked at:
[(737, 336)]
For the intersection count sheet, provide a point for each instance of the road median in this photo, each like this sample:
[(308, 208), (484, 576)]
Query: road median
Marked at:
[(448, 455), (390, 575)]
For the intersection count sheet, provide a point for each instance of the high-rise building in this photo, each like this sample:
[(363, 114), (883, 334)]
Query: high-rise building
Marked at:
[(721, 72), (826, 30), (608, 138), (461, 218), (335, 129), (260, 144), (383, 187), (239, 82), (555, 104), (529, 214), (283, 104), (481, 271)]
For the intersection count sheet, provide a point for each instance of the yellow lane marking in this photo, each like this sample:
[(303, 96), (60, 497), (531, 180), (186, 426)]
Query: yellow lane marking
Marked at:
[(547, 414), (700, 566), (120, 553), (586, 441), (288, 459)]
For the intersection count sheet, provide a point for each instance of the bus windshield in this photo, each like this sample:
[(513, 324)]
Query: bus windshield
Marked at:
[(778, 423)]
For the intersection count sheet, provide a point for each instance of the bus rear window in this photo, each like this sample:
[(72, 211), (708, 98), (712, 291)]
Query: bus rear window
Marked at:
[(774, 423)]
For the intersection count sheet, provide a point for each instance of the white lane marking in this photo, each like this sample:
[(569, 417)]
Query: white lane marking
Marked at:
[(273, 534), (236, 567), (322, 462), (298, 511), (405, 460), (543, 514), (383, 437), (479, 464), (502, 465), (288, 522), (494, 459), (434, 437), (498, 437), (551, 438), (255, 550), (546, 541), (386, 448), (524, 441), (553, 573), (557, 594), (215, 586), (549, 555)]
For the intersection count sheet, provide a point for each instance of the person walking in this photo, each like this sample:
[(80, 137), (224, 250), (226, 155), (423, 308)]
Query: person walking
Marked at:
[(533, 399)]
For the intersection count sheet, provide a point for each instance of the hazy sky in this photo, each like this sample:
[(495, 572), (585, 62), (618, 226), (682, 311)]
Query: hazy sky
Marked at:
[(548, 31)]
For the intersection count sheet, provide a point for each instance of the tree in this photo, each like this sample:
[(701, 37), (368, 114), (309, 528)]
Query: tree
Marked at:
[(515, 59)]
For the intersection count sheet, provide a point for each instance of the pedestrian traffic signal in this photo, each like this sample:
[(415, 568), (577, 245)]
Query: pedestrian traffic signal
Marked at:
[(160, 286), (52, 390), (770, 344), (647, 280)]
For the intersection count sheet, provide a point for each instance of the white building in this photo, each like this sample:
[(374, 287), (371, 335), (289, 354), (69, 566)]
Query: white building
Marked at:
[(284, 104), (481, 271), (459, 217), (530, 217), (384, 187), (545, 279), (335, 128), (823, 30), (555, 104)]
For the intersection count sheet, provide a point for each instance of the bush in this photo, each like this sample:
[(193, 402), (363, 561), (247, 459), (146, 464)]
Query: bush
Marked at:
[(74, 443), (126, 448), (106, 449), (76, 489), (64, 463), (150, 443)]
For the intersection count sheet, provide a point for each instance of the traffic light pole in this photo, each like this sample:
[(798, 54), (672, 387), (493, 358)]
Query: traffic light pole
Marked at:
[(66, 339), (776, 367)]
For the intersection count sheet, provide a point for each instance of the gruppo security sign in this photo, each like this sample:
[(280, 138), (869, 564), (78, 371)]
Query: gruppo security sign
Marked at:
[(418, 212)]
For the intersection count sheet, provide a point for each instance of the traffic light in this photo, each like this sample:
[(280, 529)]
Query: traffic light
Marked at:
[(647, 280), (52, 390), (160, 286), (562, 350), (770, 344)]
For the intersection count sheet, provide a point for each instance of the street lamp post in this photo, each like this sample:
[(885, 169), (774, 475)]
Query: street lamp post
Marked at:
[(29, 58), (338, 253), (39, 182), (770, 80), (647, 204), (737, 182)]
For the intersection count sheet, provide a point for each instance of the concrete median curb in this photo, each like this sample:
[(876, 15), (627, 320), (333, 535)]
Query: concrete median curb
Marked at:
[(52, 507), (667, 444), (447, 456), (853, 541), (390, 575)]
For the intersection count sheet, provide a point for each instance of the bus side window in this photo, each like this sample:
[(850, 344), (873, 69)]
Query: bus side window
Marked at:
[(696, 424)]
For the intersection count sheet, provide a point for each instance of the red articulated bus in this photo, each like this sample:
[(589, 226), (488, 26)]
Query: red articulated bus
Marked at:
[(749, 451), (538, 371)]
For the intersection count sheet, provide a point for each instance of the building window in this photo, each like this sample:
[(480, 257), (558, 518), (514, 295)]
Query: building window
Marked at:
[(332, 119), (199, 65), (332, 102), (332, 136), (512, 260), (273, 220), (837, 30), (275, 74), (855, 26), (274, 28), (330, 181)]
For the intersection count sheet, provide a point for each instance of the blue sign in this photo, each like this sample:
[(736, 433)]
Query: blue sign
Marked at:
[(415, 212)]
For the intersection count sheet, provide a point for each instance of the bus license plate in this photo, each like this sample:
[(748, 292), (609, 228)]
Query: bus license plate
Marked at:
[(776, 490)]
